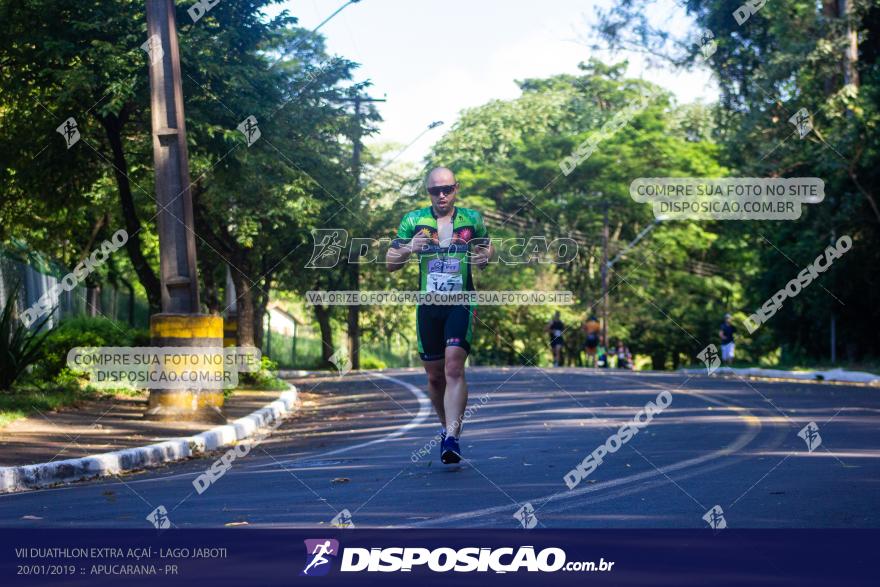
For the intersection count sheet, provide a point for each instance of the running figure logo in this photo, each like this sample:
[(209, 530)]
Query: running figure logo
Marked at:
[(153, 48), (802, 122), (250, 129), (715, 518), (317, 551), (327, 248), (342, 520), (70, 131), (526, 516), (810, 434), (159, 518), (709, 356)]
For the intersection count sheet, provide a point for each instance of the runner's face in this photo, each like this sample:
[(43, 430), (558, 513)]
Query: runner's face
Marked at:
[(443, 201)]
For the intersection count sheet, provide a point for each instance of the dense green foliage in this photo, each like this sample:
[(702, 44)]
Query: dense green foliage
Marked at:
[(83, 332), (19, 345), (792, 55), (256, 206)]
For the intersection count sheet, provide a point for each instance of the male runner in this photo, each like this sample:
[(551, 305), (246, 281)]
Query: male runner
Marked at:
[(444, 332)]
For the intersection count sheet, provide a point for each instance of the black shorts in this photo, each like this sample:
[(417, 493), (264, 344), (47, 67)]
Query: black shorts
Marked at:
[(555, 341), (591, 342), (441, 326)]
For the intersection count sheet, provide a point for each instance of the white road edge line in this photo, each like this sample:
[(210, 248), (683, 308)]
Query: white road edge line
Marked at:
[(425, 410), (753, 425)]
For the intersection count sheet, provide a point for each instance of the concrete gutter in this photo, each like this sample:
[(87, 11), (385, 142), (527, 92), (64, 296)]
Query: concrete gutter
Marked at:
[(13, 479)]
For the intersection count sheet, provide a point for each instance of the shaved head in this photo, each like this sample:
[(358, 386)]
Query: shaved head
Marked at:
[(440, 176)]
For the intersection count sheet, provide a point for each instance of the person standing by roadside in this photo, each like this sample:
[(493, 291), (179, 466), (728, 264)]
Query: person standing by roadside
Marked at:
[(591, 344), (727, 346), (556, 328)]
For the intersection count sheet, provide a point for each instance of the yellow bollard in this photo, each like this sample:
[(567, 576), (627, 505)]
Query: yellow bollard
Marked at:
[(194, 405)]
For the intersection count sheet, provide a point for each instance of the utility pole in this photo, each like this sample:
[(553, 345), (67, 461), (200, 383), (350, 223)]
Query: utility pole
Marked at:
[(605, 273), (179, 324), (354, 311), (833, 316)]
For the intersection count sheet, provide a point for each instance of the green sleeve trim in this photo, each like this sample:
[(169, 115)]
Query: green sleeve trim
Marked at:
[(481, 231), (406, 230)]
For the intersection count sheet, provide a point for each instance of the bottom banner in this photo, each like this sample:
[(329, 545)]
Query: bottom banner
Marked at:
[(334, 556)]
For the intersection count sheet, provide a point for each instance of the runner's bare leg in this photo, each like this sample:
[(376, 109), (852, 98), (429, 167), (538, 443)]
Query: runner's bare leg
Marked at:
[(436, 386), (455, 400)]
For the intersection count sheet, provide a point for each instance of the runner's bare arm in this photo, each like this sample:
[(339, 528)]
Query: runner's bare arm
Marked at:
[(396, 257), (482, 255)]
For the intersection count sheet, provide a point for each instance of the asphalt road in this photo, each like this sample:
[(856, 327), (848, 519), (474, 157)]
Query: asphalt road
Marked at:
[(355, 442)]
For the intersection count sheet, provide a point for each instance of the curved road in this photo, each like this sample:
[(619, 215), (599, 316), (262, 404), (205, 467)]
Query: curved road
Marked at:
[(355, 445)]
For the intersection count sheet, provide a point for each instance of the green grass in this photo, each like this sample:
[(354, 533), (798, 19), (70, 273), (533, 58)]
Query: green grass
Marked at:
[(21, 404)]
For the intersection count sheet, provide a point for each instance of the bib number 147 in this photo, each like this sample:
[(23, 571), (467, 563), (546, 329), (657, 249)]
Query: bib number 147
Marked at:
[(444, 282)]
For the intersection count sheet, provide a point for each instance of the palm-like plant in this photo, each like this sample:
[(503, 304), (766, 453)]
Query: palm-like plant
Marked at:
[(19, 345)]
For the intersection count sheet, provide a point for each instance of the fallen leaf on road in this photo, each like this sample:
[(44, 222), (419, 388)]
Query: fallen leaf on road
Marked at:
[(341, 480), (30, 517)]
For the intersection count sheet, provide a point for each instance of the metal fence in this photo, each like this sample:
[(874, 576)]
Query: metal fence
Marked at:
[(33, 283)]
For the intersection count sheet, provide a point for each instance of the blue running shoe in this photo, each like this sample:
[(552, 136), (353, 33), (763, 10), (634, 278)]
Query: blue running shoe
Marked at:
[(450, 452)]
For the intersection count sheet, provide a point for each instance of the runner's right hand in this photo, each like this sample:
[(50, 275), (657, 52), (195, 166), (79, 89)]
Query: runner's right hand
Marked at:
[(418, 243)]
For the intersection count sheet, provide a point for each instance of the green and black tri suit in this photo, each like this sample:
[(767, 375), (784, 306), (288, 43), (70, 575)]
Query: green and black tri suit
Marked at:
[(439, 326)]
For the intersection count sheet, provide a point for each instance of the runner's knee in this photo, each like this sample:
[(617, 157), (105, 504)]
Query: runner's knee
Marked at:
[(454, 369), (437, 380)]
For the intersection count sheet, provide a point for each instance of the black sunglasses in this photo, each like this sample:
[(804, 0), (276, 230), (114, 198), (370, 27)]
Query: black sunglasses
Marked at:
[(441, 189)]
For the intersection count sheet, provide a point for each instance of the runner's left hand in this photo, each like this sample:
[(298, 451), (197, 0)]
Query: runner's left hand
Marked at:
[(481, 256)]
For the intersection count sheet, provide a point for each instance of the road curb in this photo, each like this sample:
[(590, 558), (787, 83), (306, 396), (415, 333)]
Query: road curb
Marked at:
[(830, 376), (21, 478), (289, 373)]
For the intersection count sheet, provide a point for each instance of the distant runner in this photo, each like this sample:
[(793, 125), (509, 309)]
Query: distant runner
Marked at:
[(624, 356), (726, 333), (556, 328), (448, 239), (591, 327)]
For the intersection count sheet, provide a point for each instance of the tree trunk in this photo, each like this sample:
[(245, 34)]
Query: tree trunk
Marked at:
[(93, 299), (843, 9), (658, 361), (245, 305), (851, 53), (146, 275), (210, 290), (261, 301), (322, 315), (354, 333)]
